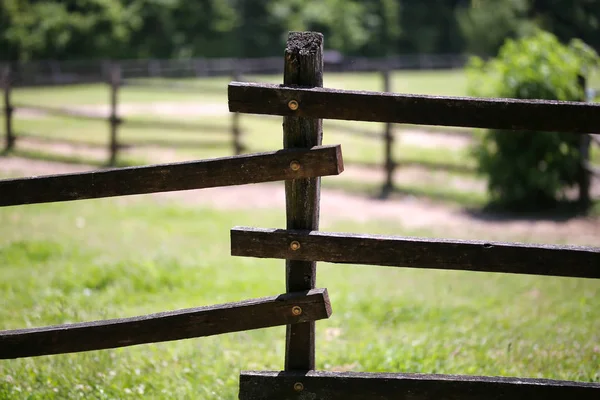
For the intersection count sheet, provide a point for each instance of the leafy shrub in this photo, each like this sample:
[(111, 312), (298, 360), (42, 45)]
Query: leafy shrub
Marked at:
[(530, 170)]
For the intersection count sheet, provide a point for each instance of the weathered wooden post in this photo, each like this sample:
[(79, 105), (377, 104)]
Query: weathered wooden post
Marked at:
[(584, 150), (303, 67), (8, 109), (235, 122), (115, 82), (389, 140)]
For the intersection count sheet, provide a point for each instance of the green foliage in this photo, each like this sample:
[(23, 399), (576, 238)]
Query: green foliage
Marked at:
[(52, 29), (530, 169), (488, 23)]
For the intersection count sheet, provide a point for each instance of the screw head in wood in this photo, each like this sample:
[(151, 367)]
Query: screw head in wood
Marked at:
[(294, 165), (296, 310), (298, 387), (295, 245), (293, 105)]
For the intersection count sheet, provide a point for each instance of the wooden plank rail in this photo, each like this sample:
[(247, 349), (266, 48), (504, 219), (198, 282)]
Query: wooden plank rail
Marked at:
[(267, 385), (569, 261), (237, 170), (64, 112), (538, 115), (174, 325)]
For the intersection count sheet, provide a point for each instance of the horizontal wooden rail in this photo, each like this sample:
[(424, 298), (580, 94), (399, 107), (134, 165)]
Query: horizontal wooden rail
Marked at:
[(227, 171), (195, 127), (63, 112), (582, 262), (265, 312), (539, 115), (176, 143), (267, 385)]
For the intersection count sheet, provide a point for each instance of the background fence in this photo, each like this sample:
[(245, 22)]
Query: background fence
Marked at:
[(143, 75)]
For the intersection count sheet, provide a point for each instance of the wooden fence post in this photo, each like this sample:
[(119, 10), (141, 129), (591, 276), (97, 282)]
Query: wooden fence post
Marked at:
[(389, 140), (584, 149), (8, 109), (235, 122), (304, 67), (115, 81)]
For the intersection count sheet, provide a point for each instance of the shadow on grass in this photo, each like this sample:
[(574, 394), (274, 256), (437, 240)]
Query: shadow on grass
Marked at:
[(559, 212)]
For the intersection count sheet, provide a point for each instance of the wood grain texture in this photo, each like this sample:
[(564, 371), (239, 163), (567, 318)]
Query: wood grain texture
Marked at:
[(258, 385), (166, 326), (237, 170), (536, 115), (303, 66), (571, 261)]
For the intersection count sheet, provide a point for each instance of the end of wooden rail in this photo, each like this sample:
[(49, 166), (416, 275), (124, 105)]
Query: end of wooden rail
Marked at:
[(285, 309)]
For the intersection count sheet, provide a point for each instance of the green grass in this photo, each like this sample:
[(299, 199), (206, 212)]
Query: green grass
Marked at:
[(123, 257)]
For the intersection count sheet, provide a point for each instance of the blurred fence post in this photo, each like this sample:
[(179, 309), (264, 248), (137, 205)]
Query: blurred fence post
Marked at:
[(389, 139), (114, 121), (235, 122), (584, 150), (8, 109)]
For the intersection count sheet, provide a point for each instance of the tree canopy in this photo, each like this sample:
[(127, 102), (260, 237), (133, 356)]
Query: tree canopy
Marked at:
[(100, 29)]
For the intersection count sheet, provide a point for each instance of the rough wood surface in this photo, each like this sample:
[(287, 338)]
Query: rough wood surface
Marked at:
[(572, 261), (227, 171), (303, 66), (537, 115), (166, 326), (259, 385)]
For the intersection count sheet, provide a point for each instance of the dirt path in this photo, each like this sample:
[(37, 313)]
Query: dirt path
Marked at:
[(412, 214)]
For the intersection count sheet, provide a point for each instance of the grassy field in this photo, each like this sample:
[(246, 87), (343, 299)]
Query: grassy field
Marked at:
[(112, 258)]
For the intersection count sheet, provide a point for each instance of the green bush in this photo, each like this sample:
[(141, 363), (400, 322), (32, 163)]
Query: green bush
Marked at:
[(530, 170)]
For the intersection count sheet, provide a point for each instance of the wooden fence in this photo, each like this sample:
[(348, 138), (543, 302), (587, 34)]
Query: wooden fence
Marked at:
[(304, 103), (114, 120), (297, 306)]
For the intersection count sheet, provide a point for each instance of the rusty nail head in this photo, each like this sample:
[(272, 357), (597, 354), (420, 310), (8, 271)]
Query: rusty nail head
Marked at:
[(295, 245), (298, 387), (293, 105), (296, 310), (294, 165)]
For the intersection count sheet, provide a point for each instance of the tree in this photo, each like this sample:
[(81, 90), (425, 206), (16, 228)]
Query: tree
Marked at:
[(530, 170)]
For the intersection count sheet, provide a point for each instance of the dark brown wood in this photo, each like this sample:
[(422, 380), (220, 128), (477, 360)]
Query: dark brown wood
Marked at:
[(226, 171), (115, 83), (389, 140), (408, 252), (235, 124), (536, 115), (292, 385), (8, 109), (166, 326), (303, 66)]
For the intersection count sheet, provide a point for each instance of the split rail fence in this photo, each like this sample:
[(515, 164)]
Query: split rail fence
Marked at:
[(115, 121), (303, 103), (387, 137)]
